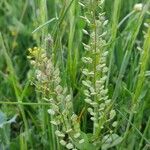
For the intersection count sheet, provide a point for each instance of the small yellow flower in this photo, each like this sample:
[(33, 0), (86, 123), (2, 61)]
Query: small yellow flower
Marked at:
[(14, 44), (14, 33)]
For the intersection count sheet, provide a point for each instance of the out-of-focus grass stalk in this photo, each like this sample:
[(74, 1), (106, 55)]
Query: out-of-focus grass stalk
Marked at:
[(23, 144), (56, 33), (24, 103), (70, 39), (143, 66), (145, 131), (47, 128), (21, 18), (72, 59), (43, 25), (16, 86), (43, 18), (131, 42), (115, 20)]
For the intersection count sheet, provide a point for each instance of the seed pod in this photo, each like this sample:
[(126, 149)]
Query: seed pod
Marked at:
[(69, 146), (87, 83), (62, 142), (81, 141), (54, 122), (87, 100), (87, 60), (51, 111), (112, 114), (115, 123), (77, 135), (59, 134), (85, 32)]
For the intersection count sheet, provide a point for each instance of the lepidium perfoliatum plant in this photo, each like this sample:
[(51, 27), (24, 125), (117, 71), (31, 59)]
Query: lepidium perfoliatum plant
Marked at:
[(65, 124), (74, 74), (95, 71)]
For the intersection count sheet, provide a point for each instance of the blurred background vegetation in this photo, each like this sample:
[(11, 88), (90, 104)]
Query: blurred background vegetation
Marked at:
[(18, 19)]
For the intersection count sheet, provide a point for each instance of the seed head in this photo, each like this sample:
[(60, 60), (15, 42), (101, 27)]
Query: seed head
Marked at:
[(138, 7)]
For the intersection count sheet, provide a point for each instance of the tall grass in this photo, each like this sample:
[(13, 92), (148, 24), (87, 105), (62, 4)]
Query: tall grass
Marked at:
[(74, 74)]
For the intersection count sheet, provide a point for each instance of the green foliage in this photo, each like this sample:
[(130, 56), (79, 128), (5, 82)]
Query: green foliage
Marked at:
[(74, 74)]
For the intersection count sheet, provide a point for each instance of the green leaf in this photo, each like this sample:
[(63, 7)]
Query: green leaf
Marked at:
[(86, 145), (3, 119)]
